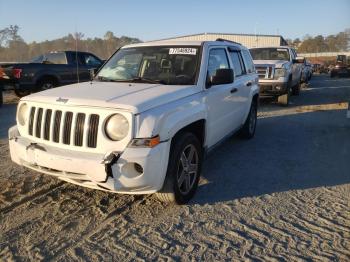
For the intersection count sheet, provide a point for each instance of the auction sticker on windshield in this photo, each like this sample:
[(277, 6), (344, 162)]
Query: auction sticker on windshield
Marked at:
[(182, 51)]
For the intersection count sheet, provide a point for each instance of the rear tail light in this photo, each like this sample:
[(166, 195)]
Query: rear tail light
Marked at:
[(16, 72)]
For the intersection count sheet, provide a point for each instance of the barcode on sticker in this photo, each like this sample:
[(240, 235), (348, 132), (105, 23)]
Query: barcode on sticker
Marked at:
[(182, 51)]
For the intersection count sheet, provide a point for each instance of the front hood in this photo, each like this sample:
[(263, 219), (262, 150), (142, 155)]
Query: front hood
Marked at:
[(133, 97), (275, 63)]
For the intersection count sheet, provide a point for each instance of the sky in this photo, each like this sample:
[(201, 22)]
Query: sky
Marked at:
[(41, 20)]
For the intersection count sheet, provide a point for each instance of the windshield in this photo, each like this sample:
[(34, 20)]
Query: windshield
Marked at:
[(270, 54), (177, 65)]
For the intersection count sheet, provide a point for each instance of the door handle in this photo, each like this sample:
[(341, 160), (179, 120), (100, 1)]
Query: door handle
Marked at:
[(233, 90), (249, 83)]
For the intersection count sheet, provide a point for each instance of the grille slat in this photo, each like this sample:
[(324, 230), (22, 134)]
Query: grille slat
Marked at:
[(79, 130), (56, 126), (92, 132), (47, 124), (38, 123), (67, 128), (64, 127), (31, 121)]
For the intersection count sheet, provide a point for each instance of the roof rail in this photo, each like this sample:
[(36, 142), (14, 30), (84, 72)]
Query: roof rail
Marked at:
[(225, 40)]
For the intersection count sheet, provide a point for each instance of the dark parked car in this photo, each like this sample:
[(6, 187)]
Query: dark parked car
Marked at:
[(48, 71), (1, 98)]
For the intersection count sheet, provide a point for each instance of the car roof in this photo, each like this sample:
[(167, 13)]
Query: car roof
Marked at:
[(184, 43), (282, 46)]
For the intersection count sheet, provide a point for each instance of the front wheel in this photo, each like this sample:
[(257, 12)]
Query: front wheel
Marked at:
[(283, 100), (183, 172)]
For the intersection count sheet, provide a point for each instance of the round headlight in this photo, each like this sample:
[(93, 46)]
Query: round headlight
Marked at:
[(22, 114), (117, 127)]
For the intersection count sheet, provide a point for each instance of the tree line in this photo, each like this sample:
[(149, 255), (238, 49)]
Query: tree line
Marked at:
[(14, 48), (331, 43)]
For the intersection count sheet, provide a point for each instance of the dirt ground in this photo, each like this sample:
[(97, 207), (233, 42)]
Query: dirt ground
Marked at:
[(282, 196)]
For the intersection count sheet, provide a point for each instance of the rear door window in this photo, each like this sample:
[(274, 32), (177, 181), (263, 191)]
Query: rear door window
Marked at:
[(238, 65), (248, 62)]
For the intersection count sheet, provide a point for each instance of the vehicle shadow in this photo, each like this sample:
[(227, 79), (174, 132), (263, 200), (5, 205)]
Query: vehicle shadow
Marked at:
[(299, 151), (7, 118)]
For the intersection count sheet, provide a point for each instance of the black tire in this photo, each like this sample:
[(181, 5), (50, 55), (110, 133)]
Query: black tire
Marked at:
[(173, 190), (21, 92), (296, 89), (46, 83), (283, 100), (248, 129)]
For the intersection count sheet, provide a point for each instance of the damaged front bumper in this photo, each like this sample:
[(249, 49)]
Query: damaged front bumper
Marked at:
[(133, 171)]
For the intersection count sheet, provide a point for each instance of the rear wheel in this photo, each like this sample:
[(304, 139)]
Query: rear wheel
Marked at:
[(183, 172), (248, 129), (47, 83), (21, 92)]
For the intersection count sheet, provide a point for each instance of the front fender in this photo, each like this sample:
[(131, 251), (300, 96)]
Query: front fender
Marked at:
[(168, 119)]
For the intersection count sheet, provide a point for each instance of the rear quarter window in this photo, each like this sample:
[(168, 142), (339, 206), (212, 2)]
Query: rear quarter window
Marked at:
[(56, 58)]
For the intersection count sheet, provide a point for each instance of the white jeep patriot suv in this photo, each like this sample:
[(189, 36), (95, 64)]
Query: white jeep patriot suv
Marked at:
[(143, 124), (279, 70)]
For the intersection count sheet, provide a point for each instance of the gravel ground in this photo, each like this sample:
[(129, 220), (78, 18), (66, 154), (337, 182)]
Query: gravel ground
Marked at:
[(282, 196)]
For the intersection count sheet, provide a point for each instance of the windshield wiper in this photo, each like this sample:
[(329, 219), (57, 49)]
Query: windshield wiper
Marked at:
[(133, 80), (104, 79), (146, 80)]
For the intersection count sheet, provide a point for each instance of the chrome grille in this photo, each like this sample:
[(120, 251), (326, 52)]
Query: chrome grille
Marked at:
[(264, 72), (78, 129)]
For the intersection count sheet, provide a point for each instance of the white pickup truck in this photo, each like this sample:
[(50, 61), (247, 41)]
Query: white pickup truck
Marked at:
[(145, 121), (279, 70)]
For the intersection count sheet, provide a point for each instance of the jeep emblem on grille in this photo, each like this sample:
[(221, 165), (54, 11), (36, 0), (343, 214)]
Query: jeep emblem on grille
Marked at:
[(63, 100)]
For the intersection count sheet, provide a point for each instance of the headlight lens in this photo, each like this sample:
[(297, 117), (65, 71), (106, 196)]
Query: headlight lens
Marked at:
[(280, 72), (117, 127), (22, 114)]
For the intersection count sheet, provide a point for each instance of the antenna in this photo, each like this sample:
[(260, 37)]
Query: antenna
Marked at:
[(76, 52)]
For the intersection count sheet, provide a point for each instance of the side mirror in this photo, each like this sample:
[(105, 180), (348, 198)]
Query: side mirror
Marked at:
[(299, 60), (221, 77), (92, 73)]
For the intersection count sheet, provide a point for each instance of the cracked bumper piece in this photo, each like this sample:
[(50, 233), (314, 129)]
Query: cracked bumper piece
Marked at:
[(136, 171)]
